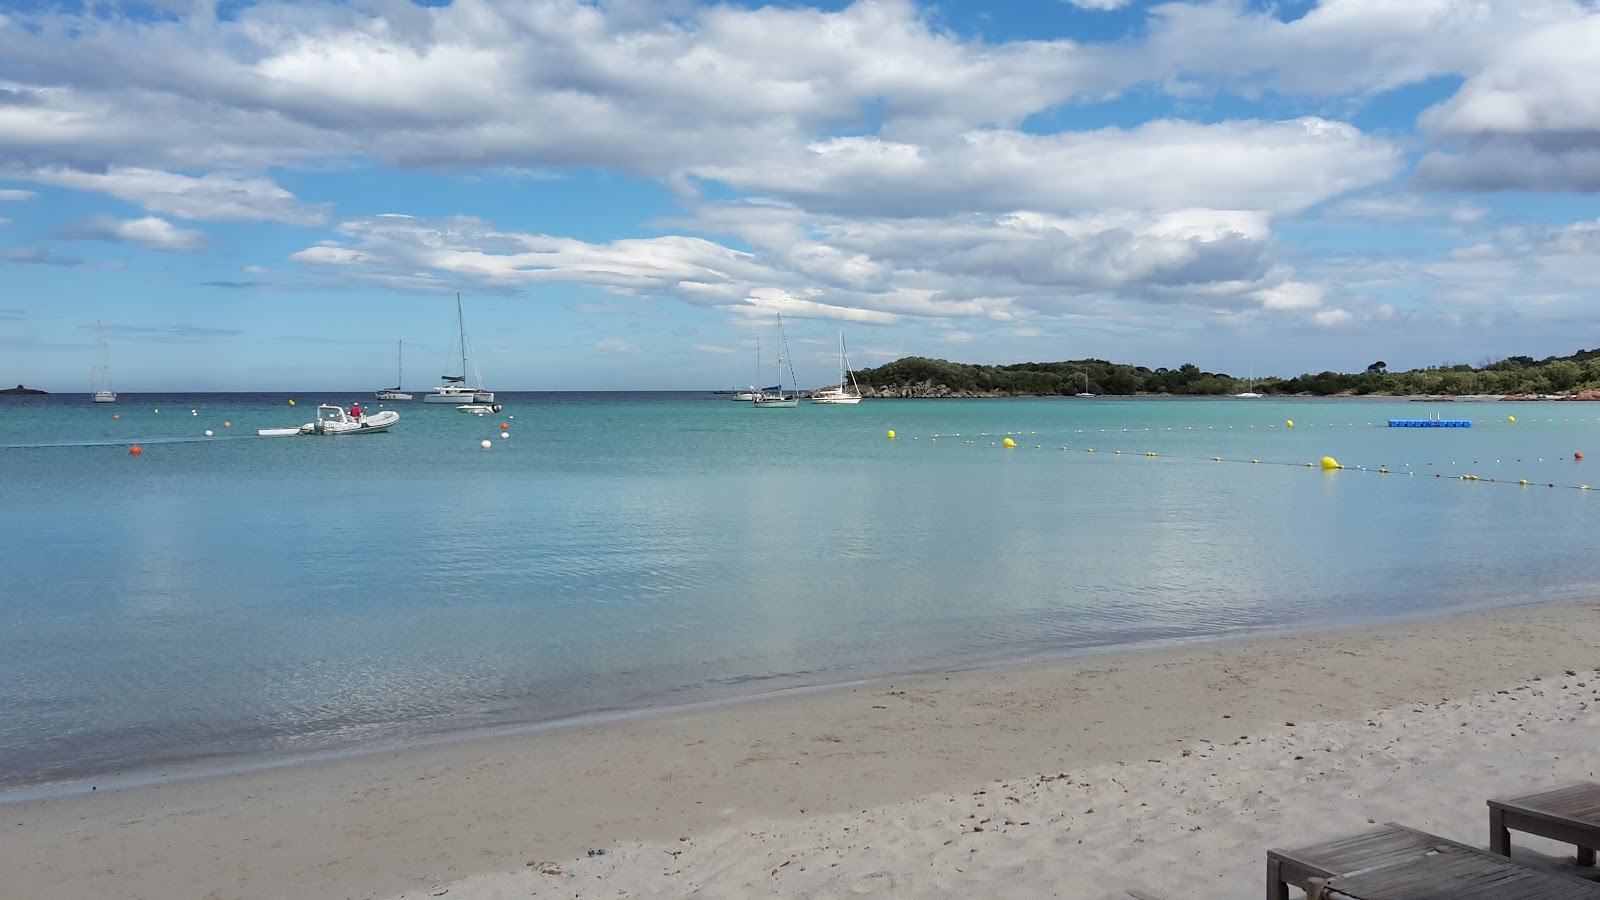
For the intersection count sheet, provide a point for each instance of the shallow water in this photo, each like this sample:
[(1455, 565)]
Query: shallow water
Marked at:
[(233, 599)]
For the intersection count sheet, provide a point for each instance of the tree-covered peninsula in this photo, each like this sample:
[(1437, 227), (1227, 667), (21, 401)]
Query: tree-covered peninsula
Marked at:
[(1577, 375)]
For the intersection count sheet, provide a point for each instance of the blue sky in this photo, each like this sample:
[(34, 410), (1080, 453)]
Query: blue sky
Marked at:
[(265, 196)]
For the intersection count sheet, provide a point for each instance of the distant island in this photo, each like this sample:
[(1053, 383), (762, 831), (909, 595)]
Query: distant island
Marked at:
[(19, 389), (1575, 377)]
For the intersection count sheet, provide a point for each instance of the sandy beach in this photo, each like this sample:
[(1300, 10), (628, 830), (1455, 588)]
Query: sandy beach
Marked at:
[(1160, 770)]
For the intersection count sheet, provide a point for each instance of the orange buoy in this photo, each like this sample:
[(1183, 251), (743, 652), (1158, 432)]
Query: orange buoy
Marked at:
[(116, 417), (1577, 456), (227, 424), (504, 426), (135, 450)]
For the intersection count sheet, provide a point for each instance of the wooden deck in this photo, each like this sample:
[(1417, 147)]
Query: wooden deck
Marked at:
[(1570, 814), (1393, 862)]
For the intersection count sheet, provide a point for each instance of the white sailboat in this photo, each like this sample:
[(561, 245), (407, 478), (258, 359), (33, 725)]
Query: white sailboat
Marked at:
[(100, 372), (455, 390), (398, 392), (1085, 391), (1249, 393), (774, 397), (848, 392)]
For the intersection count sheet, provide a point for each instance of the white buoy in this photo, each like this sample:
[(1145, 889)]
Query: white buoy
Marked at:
[(504, 435), (194, 412), (486, 445), (208, 432)]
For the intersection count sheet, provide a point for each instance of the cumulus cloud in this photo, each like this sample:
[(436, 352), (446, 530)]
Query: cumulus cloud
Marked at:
[(150, 232), (15, 195)]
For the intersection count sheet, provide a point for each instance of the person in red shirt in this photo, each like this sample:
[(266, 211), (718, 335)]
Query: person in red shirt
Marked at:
[(355, 410)]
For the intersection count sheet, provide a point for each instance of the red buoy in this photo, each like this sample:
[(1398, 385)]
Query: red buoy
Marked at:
[(135, 450)]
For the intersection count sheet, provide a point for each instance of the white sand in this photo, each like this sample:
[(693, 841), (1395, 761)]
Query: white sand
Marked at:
[(1169, 771)]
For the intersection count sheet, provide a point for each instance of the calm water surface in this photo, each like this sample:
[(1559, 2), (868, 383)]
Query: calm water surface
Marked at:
[(236, 599)]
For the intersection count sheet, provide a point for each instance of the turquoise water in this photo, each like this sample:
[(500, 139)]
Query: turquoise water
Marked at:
[(232, 600)]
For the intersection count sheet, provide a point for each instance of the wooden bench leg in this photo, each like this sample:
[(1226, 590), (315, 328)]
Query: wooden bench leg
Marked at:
[(1276, 888), (1499, 835)]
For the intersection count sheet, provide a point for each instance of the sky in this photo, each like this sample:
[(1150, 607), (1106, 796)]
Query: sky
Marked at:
[(626, 195)]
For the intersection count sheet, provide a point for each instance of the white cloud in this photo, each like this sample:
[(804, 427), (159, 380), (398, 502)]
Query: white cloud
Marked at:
[(1102, 5), (1332, 318), (1291, 295), (149, 232), (212, 197), (714, 350), (14, 195), (1274, 166), (615, 345), (958, 337)]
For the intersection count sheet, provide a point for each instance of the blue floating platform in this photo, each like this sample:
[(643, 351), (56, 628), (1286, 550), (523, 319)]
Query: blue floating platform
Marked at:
[(1430, 423)]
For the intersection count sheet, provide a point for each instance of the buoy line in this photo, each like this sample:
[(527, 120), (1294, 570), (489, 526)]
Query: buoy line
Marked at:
[(1326, 463)]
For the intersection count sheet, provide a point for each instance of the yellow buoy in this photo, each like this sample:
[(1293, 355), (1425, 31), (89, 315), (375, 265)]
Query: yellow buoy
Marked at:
[(1329, 463), (291, 402), (891, 434), (1288, 423), (1511, 418), (1010, 443)]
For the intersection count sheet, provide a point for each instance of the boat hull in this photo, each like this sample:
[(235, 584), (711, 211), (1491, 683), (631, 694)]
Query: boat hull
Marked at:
[(392, 395), (105, 396), (458, 397), (846, 400), (777, 403)]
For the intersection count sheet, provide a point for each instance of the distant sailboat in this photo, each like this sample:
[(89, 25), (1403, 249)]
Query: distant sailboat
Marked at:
[(1249, 392), (455, 390), (775, 398), (398, 392), (100, 373), (848, 391), (1085, 391), (753, 392)]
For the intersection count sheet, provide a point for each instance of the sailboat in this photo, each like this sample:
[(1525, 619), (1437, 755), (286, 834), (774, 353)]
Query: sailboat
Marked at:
[(847, 391), (753, 392), (1249, 392), (1085, 391), (398, 392), (455, 390), (774, 397), (100, 372)]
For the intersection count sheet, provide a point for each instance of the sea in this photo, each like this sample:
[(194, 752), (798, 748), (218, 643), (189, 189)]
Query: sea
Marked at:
[(221, 600)]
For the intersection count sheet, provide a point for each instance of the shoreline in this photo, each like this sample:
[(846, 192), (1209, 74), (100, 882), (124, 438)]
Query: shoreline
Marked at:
[(423, 818), (203, 769)]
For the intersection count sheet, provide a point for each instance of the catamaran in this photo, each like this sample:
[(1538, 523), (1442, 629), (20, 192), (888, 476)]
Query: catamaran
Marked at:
[(455, 390), (847, 391)]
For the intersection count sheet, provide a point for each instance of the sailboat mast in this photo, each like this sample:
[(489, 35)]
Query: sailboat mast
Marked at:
[(461, 323)]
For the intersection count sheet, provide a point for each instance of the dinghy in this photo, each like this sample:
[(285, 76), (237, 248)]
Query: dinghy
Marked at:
[(336, 420)]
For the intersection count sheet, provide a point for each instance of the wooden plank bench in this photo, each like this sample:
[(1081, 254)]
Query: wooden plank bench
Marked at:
[(1393, 862), (1570, 815), (1455, 872), (1371, 847)]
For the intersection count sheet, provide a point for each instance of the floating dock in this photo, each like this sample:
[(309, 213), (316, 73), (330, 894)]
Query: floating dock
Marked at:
[(1430, 423)]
